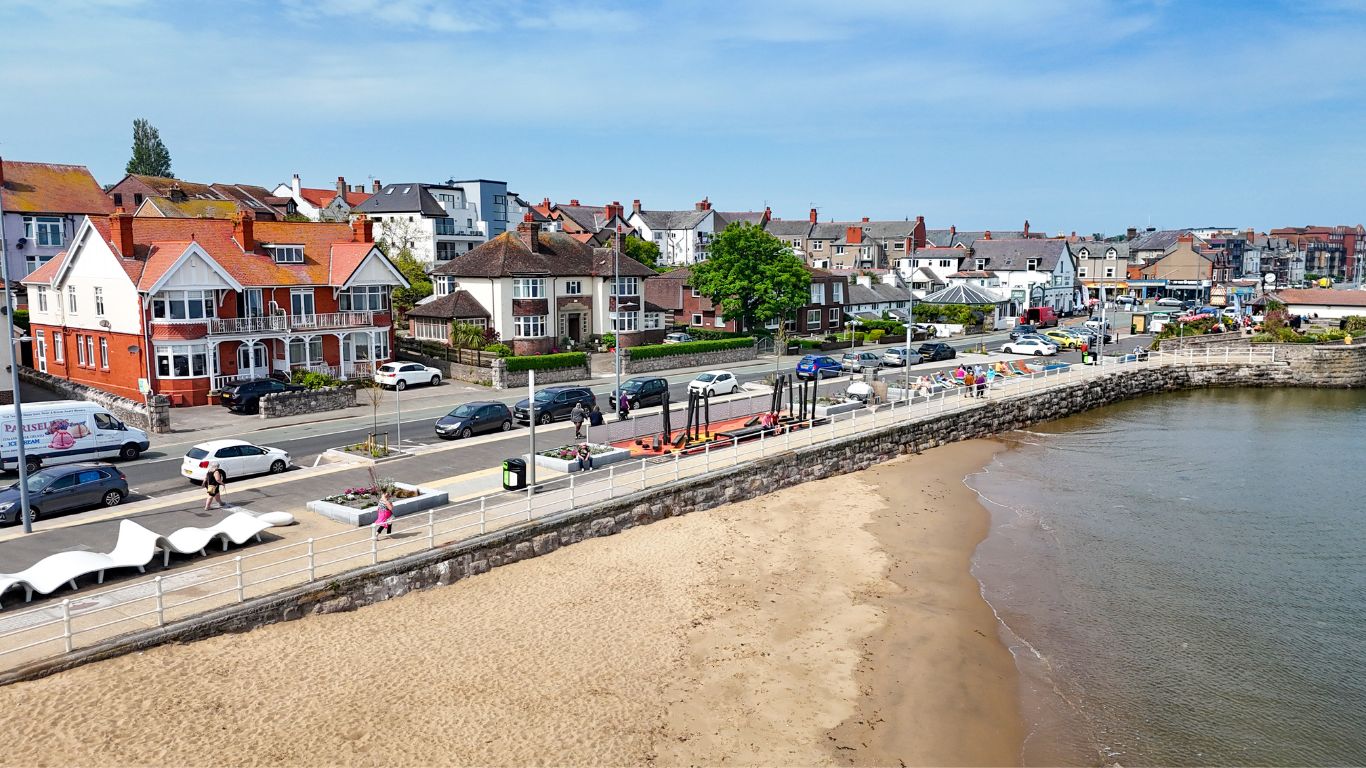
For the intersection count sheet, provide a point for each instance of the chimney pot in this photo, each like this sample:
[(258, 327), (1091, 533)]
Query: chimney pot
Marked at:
[(121, 225), (768, 213), (573, 201), (341, 185), (295, 184), (812, 216), (1026, 229), (635, 206), (865, 219), (244, 230), (375, 186), (986, 235), (529, 233), (362, 230)]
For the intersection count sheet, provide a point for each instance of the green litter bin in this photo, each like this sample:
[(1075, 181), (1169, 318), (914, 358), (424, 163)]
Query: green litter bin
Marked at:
[(1086, 358), (514, 474)]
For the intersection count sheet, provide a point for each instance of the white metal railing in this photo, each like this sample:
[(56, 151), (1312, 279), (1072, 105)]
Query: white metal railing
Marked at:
[(228, 326), (283, 323), (62, 626), (331, 320)]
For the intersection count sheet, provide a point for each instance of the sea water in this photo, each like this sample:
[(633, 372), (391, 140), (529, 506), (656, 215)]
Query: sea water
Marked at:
[(1182, 579)]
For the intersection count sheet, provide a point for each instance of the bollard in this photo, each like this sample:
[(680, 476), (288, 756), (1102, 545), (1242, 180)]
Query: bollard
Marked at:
[(374, 548), (66, 623), (677, 456), (241, 593), (481, 513), (311, 570), (431, 527), (611, 481), (572, 505), (735, 451), (706, 454), (161, 614), (642, 474)]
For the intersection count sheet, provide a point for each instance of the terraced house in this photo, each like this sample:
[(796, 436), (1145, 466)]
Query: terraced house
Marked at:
[(181, 307), (42, 204)]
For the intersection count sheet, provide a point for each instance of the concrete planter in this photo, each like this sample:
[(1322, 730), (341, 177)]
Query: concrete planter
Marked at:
[(826, 411), (426, 499), (612, 456), (337, 454)]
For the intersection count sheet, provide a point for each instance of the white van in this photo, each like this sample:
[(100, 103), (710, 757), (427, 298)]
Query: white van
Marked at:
[(65, 431)]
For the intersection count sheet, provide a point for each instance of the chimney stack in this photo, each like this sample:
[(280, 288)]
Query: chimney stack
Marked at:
[(573, 202), (244, 230), (375, 186), (1131, 233), (341, 186), (635, 206), (986, 235), (176, 194), (812, 216), (295, 184), (1026, 229), (2, 172), (362, 230), (918, 234), (529, 232), (854, 235), (768, 213), (953, 232), (865, 219), (121, 229), (545, 203), (703, 205)]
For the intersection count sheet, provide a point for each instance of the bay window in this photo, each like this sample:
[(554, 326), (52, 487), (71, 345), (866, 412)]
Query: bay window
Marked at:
[(183, 305), (182, 361), (444, 284), (654, 321), (528, 288), (528, 326), (433, 330), (625, 321), (305, 351), (365, 298)]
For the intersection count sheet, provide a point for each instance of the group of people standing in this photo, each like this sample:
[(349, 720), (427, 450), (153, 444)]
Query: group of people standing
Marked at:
[(975, 380)]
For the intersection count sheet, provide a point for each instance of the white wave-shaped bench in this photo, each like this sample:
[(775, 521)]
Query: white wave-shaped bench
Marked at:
[(135, 548)]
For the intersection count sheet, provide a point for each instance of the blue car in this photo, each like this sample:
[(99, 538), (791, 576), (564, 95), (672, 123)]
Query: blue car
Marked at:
[(822, 366)]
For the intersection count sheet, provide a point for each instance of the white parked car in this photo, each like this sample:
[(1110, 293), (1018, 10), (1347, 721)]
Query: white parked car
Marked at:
[(677, 338), (1029, 347), (1170, 302), (237, 458), (401, 375), (715, 382)]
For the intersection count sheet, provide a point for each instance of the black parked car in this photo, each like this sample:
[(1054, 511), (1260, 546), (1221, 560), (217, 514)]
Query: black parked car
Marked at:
[(641, 391), (246, 397), (936, 351), (473, 418), (53, 490), (554, 403), (1022, 329)]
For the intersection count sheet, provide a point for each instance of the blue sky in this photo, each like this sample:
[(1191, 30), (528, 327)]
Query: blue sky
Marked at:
[(1076, 114)]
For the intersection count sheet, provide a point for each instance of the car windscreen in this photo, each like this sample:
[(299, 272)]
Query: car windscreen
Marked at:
[(197, 453), (705, 377), (544, 395), (465, 411), (41, 479)]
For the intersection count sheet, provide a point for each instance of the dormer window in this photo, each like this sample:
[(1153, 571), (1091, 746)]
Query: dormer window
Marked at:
[(1110, 254), (981, 264), (1032, 265), (286, 254), (1085, 254)]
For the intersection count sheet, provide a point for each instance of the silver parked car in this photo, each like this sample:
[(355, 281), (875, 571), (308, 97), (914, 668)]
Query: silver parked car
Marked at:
[(899, 356), (857, 361)]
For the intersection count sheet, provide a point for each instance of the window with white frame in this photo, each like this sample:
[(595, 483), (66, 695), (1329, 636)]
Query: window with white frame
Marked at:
[(813, 318), (379, 346), (305, 351), (71, 299), (837, 292), (1109, 271), (90, 350), (573, 287), (948, 263), (625, 321), (44, 231), (696, 319), (364, 298), (839, 249), (817, 245), (104, 353), (528, 326), (40, 349), (818, 293), (835, 313), (286, 254), (42, 299), (99, 301), (1111, 254), (183, 305), (626, 286), (431, 329), (445, 284), (80, 349), (58, 352), (654, 321), (696, 294), (182, 361), (899, 245), (981, 264), (720, 321), (1081, 271), (529, 288)]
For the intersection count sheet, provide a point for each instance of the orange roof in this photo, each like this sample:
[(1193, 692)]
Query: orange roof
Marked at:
[(50, 188), (346, 259), (46, 272), (321, 198)]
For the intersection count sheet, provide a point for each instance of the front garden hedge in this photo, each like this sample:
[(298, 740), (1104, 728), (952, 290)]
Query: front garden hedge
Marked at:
[(545, 362), (650, 351)]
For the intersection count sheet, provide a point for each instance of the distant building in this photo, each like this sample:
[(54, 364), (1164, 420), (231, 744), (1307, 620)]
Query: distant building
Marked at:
[(1183, 271), (1334, 252), (1101, 264), (1327, 303), (43, 203), (1032, 272), (685, 306), (438, 222), (683, 237), (323, 204), (134, 190)]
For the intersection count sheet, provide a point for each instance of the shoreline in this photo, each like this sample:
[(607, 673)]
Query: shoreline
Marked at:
[(939, 686)]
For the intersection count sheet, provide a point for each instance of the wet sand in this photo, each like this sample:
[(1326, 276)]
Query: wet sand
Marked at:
[(830, 623)]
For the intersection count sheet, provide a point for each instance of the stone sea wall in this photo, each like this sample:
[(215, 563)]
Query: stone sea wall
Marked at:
[(279, 404), (1313, 366)]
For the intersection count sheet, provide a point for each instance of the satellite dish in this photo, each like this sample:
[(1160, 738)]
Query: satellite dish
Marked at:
[(1269, 278), (20, 243)]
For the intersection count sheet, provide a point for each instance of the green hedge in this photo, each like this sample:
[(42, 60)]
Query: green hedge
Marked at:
[(545, 362), (650, 351), (711, 334)]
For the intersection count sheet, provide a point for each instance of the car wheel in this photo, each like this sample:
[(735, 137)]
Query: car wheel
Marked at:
[(507, 425), (113, 497), (436, 381), (33, 465), (278, 466), (400, 385), (33, 515), (466, 432), (129, 452), (544, 418), (254, 407), (1038, 353)]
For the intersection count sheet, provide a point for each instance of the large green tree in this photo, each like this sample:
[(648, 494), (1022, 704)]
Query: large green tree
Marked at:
[(643, 251), (150, 156), (752, 276), (419, 284)]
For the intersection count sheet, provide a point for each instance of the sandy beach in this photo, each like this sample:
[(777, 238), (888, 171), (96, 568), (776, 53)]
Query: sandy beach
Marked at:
[(831, 623)]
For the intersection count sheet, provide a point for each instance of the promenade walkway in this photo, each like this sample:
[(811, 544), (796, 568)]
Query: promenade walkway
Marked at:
[(305, 555)]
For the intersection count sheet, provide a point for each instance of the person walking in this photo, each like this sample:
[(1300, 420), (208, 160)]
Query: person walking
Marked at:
[(576, 418), (214, 483), (595, 416), (384, 520), (623, 407), (585, 457), (969, 382), (981, 381)]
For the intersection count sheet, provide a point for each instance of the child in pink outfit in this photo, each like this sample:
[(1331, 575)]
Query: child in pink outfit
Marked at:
[(384, 521)]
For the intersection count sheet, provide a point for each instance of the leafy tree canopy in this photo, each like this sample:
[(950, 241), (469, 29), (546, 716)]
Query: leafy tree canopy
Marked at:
[(643, 251), (150, 156), (752, 276), (416, 274)]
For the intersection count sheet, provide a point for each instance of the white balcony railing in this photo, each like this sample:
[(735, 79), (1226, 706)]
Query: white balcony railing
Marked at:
[(331, 320), (238, 326), (229, 326)]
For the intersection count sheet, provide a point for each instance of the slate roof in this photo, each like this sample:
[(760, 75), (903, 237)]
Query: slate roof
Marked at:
[(51, 188), (451, 306), (1098, 249), (402, 198), (588, 217), (1013, 255), (1159, 240), (877, 293), (193, 208), (789, 228), (963, 294), (724, 218), (557, 254), (662, 220), (941, 237)]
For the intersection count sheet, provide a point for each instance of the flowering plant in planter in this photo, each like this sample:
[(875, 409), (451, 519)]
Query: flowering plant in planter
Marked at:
[(571, 452), (364, 496)]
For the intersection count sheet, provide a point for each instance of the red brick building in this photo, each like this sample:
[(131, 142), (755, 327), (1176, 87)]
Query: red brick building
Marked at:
[(182, 307), (686, 307), (1328, 251)]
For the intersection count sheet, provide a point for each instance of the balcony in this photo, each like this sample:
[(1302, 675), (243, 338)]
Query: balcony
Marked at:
[(275, 324)]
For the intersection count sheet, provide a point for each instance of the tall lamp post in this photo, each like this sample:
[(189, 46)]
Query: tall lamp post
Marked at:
[(20, 459)]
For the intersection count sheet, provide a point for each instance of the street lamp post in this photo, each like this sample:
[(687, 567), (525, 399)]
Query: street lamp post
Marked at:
[(20, 459)]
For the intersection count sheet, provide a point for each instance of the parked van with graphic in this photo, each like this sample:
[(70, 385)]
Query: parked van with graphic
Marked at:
[(66, 431)]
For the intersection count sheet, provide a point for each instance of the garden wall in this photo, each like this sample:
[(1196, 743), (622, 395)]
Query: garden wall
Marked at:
[(154, 416), (715, 359), (1315, 366), (279, 404), (505, 379), (475, 374)]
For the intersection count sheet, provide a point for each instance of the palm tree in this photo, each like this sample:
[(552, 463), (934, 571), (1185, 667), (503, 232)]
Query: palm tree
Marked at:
[(466, 336)]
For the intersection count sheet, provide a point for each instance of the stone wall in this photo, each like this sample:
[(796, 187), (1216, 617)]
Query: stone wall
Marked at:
[(716, 359), (456, 561), (459, 371), (279, 404), (153, 416), (505, 379)]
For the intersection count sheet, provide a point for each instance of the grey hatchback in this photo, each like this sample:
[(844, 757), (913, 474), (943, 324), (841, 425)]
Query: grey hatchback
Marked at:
[(472, 418), (64, 488)]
